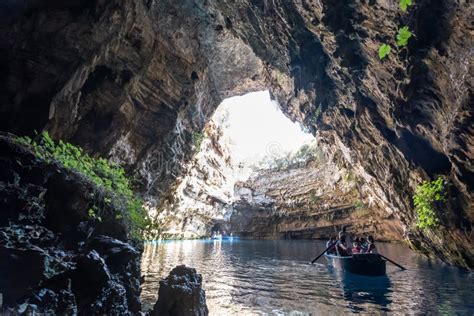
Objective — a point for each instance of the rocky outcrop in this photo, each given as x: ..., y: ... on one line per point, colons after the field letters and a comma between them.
x: 312, y: 200
x: 181, y: 294
x: 205, y: 194
x: 55, y: 258
x: 135, y: 79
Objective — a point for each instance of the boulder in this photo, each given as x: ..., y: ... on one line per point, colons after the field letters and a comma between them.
x: 55, y: 259
x: 181, y: 294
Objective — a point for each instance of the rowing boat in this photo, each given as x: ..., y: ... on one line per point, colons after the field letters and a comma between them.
x: 370, y: 264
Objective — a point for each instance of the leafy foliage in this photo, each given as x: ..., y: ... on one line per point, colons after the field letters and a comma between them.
x: 428, y: 196
x: 384, y: 51
x: 105, y: 175
x: 197, y: 140
x: 404, y: 4
x: 403, y: 36
x: 301, y: 157
x: 359, y: 204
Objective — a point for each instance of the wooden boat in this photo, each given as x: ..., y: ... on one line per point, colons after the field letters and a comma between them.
x: 370, y: 264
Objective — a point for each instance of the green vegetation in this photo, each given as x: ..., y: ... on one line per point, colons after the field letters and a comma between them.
x: 317, y: 113
x: 359, y: 204
x: 429, y: 196
x: 306, y: 153
x: 384, y: 51
x: 107, y: 176
x: 313, y: 197
x: 403, y: 36
x: 197, y: 140
x: 404, y: 4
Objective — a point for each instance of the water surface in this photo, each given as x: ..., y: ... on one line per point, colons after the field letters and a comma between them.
x: 274, y: 278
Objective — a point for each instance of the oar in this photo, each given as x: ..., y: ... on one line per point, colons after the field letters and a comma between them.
x: 323, y: 252
x: 401, y: 267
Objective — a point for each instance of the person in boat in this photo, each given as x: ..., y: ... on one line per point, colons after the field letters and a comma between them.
x: 347, y: 239
x: 356, y: 247
x: 341, y: 247
x: 332, y: 250
x: 371, y: 245
x: 363, y: 244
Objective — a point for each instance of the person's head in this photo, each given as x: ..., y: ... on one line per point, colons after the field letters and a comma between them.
x: 370, y: 239
x: 331, y: 238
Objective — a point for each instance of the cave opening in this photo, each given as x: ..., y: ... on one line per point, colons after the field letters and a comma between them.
x: 256, y: 133
x: 257, y: 174
x: 247, y: 136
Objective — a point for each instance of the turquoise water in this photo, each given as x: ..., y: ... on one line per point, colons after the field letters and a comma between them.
x: 274, y: 278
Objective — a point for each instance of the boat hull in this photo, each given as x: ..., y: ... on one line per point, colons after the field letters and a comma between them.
x: 363, y: 264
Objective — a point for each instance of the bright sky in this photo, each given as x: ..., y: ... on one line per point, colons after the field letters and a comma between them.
x: 258, y: 128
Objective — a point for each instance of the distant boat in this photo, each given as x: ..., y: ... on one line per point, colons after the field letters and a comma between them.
x: 221, y: 237
x: 230, y: 237
x: 216, y: 237
x: 369, y: 264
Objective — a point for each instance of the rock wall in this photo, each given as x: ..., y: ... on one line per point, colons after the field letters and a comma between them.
x: 205, y: 194
x: 135, y: 79
x: 308, y: 201
x: 56, y: 259
x: 181, y: 293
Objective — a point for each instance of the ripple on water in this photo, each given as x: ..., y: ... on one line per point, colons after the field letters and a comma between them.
x: 274, y: 277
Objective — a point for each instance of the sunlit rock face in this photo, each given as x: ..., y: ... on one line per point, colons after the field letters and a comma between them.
x: 313, y: 200
x: 133, y: 80
x: 205, y: 195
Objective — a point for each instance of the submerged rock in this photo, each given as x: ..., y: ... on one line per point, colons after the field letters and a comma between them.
x: 181, y: 294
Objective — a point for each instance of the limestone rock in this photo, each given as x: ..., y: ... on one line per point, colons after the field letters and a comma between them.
x: 181, y: 294
x: 55, y: 258
x: 308, y: 201
x: 134, y: 79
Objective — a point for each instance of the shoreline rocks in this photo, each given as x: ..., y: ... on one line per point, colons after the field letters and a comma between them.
x: 181, y: 294
x: 55, y: 259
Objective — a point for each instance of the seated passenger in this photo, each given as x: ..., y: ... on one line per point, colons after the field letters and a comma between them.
x: 332, y: 250
x: 363, y: 244
x: 356, y: 247
x: 370, y: 245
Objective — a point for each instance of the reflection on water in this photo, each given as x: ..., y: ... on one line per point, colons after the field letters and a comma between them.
x: 274, y: 277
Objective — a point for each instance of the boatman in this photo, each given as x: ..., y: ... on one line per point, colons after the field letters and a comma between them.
x: 331, y: 241
x: 348, y: 239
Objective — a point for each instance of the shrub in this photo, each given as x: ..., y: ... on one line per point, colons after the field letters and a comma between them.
x: 197, y: 140
x: 359, y: 204
x: 105, y: 175
x: 428, y: 197
x: 403, y: 36
x: 288, y: 160
x: 404, y: 4
x: 384, y: 51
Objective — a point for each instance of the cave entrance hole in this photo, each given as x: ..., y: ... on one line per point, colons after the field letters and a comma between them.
x: 246, y: 136
x: 256, y: 133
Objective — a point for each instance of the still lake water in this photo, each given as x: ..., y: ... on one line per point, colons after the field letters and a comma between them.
x: 249, y: 277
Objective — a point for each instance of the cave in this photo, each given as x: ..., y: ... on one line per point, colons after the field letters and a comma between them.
x: 109, y: 147
x: 247, y: 141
